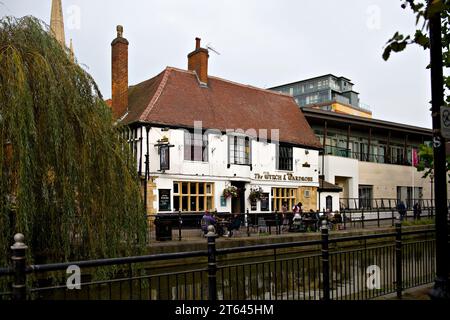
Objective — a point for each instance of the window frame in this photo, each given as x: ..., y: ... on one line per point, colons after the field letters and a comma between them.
x: 286, y: 149
x: 235, y: 147
x: 190, y: 145
x: 207, y: 197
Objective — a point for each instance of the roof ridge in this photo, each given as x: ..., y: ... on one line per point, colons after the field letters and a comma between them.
x: 157, y: 94
x: 235, y: 83
x: 252, y: 87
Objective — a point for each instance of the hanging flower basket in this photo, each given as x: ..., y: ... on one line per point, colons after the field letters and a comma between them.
x: 255, y: 194
x: 230, y: 191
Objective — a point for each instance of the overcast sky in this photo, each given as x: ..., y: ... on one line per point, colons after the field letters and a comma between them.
x: 261, y: 43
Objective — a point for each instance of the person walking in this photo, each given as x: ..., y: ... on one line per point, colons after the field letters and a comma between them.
x: 401, y: 208
x: 207, y: 220
x: 417, y: 211
x: 284, y: 217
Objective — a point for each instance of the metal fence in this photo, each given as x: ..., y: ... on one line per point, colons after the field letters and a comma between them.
x: 272, y: 222
x: 328, y: 268
x: 384, y: 203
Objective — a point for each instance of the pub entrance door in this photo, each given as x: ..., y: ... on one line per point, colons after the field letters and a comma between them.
x: 238, y: 204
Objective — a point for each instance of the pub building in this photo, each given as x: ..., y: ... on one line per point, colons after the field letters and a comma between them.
x: 194, y: 135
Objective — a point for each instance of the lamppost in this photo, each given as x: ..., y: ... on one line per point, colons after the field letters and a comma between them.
x: 441, y: 288
x: 431, y: 190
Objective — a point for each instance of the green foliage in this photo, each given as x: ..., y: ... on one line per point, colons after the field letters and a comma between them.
x: 230, y: 191
x: 255, y: 194
x: 399, y: 42
x: 426, y: 157
x: 419, y: 222
x: 63, y: 169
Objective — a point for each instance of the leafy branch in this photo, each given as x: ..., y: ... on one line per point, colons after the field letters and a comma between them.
x: 422, y: 11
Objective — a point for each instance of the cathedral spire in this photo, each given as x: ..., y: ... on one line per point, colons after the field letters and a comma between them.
x: 72, y: 54
x: 57, y: 22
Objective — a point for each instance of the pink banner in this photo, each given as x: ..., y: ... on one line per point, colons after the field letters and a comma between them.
x: 415, y: 157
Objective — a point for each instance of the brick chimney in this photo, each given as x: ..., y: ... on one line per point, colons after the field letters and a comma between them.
x: 119, y: 74
x: 198, y: 61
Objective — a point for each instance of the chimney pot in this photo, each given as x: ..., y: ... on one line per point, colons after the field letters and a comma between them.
x: 198, y: 62
x: 119, y: 29
x: 197, y: 43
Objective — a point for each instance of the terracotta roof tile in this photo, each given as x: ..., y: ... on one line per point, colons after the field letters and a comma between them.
x: 175, y: 98
x: 327, y: 186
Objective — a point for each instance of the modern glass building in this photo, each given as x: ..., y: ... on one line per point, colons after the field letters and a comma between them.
x: 327, y: 92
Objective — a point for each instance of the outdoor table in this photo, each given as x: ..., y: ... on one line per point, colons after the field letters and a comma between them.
x: 309, y: 222
x: 222, y: 226
x: 270, y: 223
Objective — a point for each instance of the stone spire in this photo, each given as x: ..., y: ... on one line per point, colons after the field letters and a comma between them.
x: 72, y: 54
x: 57, y: 22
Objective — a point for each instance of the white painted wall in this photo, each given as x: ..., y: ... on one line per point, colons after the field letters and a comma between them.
x: 215, y: 170
x: 323, y: 198
x: 342, y: 167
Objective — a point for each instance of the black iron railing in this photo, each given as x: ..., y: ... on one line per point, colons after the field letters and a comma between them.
x: 326, y: 268
x: 384, y: 203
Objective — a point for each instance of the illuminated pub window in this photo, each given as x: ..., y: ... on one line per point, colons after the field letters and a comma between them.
x: 280, y: 195
x: 193, y: 196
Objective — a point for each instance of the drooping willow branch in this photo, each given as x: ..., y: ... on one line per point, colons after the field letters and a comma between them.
x: 63, y: 171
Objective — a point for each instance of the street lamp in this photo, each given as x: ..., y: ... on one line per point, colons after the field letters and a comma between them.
x: 431, y: 190
x: 441, y: 288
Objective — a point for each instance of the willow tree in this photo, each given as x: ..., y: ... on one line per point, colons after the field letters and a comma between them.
x: 67, y: 182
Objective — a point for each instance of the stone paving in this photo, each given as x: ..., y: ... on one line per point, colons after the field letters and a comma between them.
x: 417, y: 293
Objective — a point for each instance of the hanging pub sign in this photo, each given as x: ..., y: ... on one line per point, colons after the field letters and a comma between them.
x: 164, y: 155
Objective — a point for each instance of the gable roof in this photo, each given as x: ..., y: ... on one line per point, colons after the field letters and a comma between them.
x: 327, y: 186
x: 175, y: 98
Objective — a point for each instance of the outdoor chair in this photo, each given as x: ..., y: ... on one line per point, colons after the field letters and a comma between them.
x: 262, y: 226
x: 204, y: 226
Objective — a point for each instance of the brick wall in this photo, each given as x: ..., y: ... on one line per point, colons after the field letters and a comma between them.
x: 119, y: 75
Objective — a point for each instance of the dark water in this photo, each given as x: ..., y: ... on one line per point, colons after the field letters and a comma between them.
x: 295, y: 276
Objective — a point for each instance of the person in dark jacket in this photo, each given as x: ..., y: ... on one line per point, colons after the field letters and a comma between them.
x: 417, y: 211
x: 207, y: 220
x: 401, y: 208
x: 235, y: 224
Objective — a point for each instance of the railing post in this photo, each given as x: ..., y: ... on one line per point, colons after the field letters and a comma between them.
x: 398, y: 258
x: 19, y: 290
x: 212, y: 267
x: 325, y: 262
x: 277, y: 223
x: 345, y: 218
x: 180, y: 223
x: 247, y: 224
x: 362, y: 217
x: 378, y: 217
x: 393, y: 217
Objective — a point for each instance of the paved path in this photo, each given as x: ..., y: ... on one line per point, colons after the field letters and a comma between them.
x: 417, y: 293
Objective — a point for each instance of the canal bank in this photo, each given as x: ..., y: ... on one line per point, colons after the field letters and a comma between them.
x: 200, y: 244
x: 300, y: 266
x: 418, y: 293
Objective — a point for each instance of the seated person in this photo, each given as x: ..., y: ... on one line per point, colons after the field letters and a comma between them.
x: 207, y: 220
x: 297, y: 219
x: 235, y: 224
x: 337, y: 217
x: 296, y: 222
